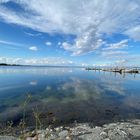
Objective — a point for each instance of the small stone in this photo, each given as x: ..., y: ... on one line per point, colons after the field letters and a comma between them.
x: 107, y: 139
x: 53, y: 137
x: 63, y: 134
x: 41, y: 136
x: 57, y: 129
x: 35, y: 138
x: 124, y: 132
x: 103, y: 134
x: 96, y: 127
x: 39, y: 131
x: 33, y: 132
x: 79, y: 132
x: 61, y: 127
x: 29, y: 138
x: 67, y: 138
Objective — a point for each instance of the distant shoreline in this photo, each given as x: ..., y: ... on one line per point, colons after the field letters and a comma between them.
x: 66, y: 66
x: 4, y: 64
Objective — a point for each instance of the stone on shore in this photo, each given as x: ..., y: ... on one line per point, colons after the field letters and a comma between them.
x: 113, y: 131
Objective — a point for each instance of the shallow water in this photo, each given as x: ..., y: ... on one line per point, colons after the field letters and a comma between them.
x: 66, y: 95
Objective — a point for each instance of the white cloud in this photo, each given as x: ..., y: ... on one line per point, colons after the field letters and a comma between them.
x: 37, y: 61
x: 4, y: 1
x: 33, y: 35
x: 113, y: 53
x: 59, y: 43
x: 115, y: 50
x: 134, y: 32
x: 115, y: 46
x: 88, y: 20
x: 33, y: 48
x: 83, y: 46
x: 48, y: 43
x: 11, y: 60
x: 11, y: 43
x: 121, y: 62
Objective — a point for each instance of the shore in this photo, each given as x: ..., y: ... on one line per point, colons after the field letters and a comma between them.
x: 129, y: 130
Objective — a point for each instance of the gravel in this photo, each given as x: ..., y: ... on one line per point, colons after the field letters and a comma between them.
x: 114, y: 131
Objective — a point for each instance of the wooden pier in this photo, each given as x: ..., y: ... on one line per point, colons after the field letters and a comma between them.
x: 118, y: 70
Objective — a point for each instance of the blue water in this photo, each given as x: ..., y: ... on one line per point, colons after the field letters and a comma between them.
x: 66, y: 95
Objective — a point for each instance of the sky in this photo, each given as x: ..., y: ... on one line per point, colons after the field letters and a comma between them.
x: 75, y: 32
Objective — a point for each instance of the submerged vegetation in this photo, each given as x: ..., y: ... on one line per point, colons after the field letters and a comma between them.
x: 21, y: 128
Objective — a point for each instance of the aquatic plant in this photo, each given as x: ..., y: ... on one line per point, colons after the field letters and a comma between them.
x: 23, y: 120
x: 37, y: 114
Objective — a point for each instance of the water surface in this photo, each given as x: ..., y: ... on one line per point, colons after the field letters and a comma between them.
x: 66, y: 95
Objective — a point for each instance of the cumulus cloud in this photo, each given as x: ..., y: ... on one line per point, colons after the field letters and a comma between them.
x: 33, y: 48
x: 59, y: 43
x: 48, y: 43
x: 89, y: 21
x: 83, y: 45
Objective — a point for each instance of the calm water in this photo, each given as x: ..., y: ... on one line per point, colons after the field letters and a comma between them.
x: 66, y: 95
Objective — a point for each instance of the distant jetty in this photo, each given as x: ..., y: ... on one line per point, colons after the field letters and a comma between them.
x: 119, y: 70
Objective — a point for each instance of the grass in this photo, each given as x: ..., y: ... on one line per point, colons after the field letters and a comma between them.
x: 19, y: 129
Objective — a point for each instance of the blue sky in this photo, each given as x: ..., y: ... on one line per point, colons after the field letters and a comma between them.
x: 76, y: 32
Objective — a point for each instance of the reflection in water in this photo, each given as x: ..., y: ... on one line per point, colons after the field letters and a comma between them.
x: 35, y: 70
x: 114, y: 86
x: 33, y: 83
x: 68, y: 95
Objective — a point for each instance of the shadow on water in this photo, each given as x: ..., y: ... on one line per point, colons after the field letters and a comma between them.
x: 64, y: 96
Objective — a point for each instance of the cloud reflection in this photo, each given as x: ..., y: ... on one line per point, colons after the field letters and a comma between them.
x: 33, y: 83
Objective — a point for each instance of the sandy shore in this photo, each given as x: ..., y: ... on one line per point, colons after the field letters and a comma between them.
x: 129, y: 130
